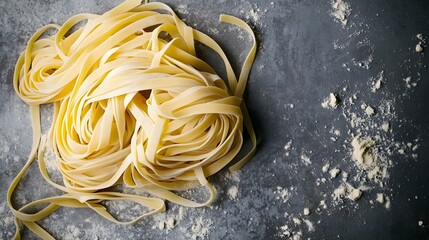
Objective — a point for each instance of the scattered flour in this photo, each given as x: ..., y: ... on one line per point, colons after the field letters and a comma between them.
x: 201, y: 228
x: 288, y: 147
x: 8, y: 221
x: 233, y: 192
x: 305, y: 159
x: 383, y: 199
x: 325, y: 168
x: 387, y: 205
x: 297, y: 236
x: 306, y: 211
x: 334, y: 172
x: 331, y: 102
x: 377, y: 82
x: 323, y: 205
x: 297, y: 221
x: 161, y: 225
x: 182, y: 213
x: 320, y: 180
x: 369, y: 111
x: 182, y: 9
x: 385, y: 126
x: 341, y: 11
x: 354, y: 194
x: 419, y: 47
x: 346, y: 190
x: 285, y: 231
x: 365, y: 63
x: 282, y: 193
x: 171, y: 222
x: 309, y: 224
x: 371, y: 136
x: 295, y: 232
x: 345, y: 176
x: 409, y: 83
x: 51, y: 163
x: 233, y: 176
x: 72, y: 232
x: 5, y: 221
x: 362, y: 152
x: 368, y: 158
x: 380, y: 198
x: 168, y: 224
x: 255, y: 15
x: 339, y: 192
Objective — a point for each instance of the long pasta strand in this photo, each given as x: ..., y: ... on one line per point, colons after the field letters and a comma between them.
x: 133, y: 105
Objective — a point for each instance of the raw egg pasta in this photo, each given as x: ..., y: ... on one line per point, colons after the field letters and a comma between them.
x: 133, y: 105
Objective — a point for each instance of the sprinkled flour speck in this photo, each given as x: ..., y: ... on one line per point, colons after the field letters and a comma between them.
x: 282, y: 193
x: 377, y: 82
x: 285, y: 231
x: 340, y: 11
x: 200, y: 228
x: 419, y: 47
x: 325, y: 168
x: 309, y: 224
x: 233, y: 192
x: 233, y: 176
x: 288, y: 147
x: 305, y: 159
x: 369, y: 111
x: 331, y: 101
x: 334, y: 172
x: 306, y: 211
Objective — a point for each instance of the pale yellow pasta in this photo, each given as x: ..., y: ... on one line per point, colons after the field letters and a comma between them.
x: 133, y: 105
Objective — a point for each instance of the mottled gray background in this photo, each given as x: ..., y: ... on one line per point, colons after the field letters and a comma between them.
x: 296, y: 64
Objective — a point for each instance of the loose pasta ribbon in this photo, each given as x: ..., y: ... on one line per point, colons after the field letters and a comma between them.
x: 133, y: 104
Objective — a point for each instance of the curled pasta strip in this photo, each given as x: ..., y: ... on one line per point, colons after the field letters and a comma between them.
x: 133, y: 105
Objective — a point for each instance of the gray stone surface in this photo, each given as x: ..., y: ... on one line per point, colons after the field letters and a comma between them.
x: 297, y: 63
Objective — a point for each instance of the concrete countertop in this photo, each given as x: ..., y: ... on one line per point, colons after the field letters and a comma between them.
x: 304, y: 55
